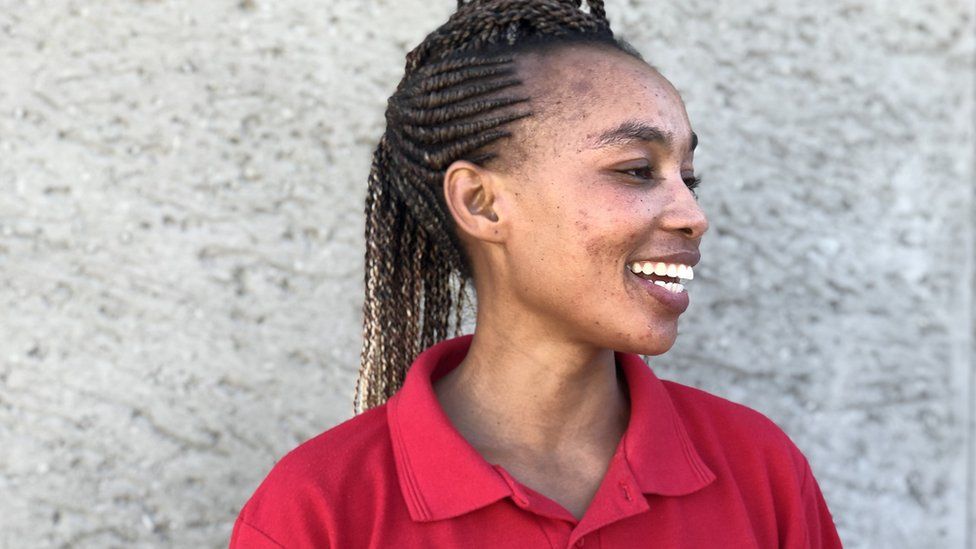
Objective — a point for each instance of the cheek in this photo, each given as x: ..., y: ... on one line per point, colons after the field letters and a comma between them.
x: 613, y: 236
x: 606, y: 255
x: 594, y: 224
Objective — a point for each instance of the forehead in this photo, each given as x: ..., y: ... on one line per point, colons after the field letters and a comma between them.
x: 577, y: 92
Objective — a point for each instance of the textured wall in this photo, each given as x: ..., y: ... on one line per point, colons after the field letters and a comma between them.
x: 180, y: 246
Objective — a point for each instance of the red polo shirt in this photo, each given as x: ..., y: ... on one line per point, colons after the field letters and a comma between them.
x: 692, y: 470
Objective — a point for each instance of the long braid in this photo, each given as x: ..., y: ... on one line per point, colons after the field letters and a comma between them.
x: 451, y: 104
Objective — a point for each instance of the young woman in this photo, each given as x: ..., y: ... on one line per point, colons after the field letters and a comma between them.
x: 531, y: 153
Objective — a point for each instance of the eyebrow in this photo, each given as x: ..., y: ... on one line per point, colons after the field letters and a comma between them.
x: 634, y: 130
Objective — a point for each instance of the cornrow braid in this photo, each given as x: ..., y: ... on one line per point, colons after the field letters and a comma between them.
x: 477, y: 24
x: 454, y: 102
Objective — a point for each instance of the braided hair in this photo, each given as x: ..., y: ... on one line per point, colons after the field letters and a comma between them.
x: 453, y: 103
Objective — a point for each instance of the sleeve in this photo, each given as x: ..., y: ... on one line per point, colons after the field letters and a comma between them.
x: 820, y: 528
x: 246, y: 536
x: 253, y: 531
x: 288, y: 510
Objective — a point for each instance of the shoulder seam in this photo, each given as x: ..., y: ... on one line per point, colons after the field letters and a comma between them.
x: 262, y: 533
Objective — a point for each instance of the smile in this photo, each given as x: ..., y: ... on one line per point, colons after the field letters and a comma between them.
x: 669, y: 276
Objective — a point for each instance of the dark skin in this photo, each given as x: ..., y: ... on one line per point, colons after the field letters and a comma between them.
x: 550, y: 237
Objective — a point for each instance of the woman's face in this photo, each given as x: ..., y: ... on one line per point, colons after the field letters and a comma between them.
x: 601, y: 183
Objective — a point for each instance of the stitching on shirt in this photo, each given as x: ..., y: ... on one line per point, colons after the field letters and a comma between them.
x: 686, y: 446
x: 630, y: 464
x: 413, y: 492
x: 262, y: 533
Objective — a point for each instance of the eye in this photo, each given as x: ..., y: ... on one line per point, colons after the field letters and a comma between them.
x: 641, y: 172
x: 647, y: 173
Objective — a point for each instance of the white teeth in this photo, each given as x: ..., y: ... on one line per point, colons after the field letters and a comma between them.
x: 676, y: 270
x: 673, y: 287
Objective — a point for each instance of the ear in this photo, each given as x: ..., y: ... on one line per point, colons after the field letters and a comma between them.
x: 472, y: 194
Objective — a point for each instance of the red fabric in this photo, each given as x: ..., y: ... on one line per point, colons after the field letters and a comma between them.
x: 692, y: 470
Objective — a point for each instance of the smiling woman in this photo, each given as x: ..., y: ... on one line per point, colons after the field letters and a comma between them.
x: 534, y: 155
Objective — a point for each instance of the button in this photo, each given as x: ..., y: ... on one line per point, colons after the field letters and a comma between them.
x: 625, y: 490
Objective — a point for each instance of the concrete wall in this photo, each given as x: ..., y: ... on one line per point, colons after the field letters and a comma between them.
x: 181, y: 187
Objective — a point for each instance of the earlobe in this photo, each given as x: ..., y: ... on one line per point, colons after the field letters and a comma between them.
x: 470, y: 192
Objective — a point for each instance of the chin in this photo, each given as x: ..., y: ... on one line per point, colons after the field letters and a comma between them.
x: 654, y: 348
x: 655, y: 340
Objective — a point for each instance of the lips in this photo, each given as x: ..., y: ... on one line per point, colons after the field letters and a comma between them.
x: 662, y: 277
x: 674, y: 301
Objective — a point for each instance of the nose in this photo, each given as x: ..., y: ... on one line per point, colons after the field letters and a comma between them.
x: 683, y: 214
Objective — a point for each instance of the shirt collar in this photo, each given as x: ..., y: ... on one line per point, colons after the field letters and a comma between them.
x: 442, y: 476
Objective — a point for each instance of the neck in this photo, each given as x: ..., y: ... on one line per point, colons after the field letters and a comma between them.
x: 525, y: 391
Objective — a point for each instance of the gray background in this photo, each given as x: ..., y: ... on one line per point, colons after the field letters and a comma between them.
x: 181, y: 187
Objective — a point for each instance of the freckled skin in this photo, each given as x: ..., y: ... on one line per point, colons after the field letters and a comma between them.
x: 576, y: 222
